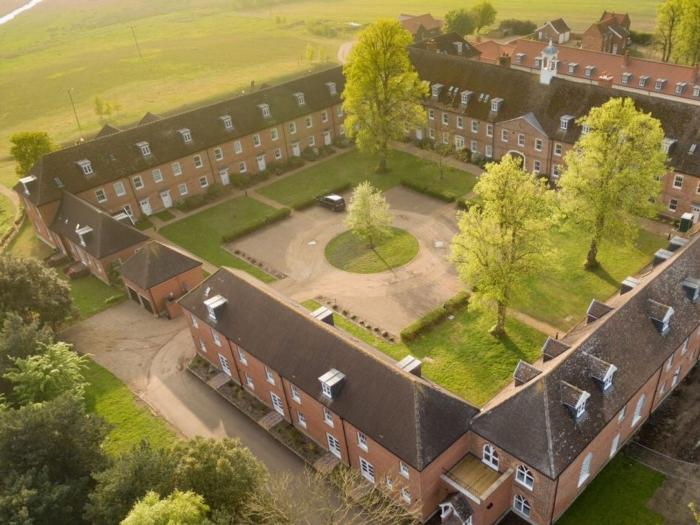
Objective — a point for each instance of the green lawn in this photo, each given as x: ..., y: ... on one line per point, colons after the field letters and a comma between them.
x: 459, y: 354
x: 7, y: 214
x: 201, y: 233
x: 617, y: 496
x: 91, y: 296
x: 562, y: 294
x: 26, y: 244
x: 354, y: 167
x: 131, y: 421
x: 351, y: 254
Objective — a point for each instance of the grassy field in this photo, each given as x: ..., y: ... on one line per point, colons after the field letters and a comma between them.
x: 91, y: 296
x: 354, y: 167
x: 131, y: 421
x: 201, y: 233
x: 618, y: 495
x: 7, y: 214
x: 351, y: 254
x: 26, y: 244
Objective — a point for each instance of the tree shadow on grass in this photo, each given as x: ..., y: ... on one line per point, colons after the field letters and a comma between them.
x: 511, y: 346
x: 600, y: 272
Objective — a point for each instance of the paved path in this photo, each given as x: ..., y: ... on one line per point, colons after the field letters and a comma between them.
x: 344, y: 51
x: 435, y: 157
x: 535, y: 323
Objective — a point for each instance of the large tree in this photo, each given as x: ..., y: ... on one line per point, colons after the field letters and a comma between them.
x: 460, y: 21
x: 504, y: 240
x: 21, y: 340
x: 368, y: 215
x: 687, y: 46
x: 180, y: 508
x: 382, y: 95
x: 612, y: 174
x: 483, y: 14
x: 28, y: 147
x: 32, y: 290
x: 668, y: 17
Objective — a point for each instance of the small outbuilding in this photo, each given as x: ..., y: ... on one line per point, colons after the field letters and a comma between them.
x: 157, y: 275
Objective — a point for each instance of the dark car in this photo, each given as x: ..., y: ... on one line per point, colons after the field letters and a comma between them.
x: 332, y: 202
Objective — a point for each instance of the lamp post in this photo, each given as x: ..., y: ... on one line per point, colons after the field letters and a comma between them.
x: 75, y: 112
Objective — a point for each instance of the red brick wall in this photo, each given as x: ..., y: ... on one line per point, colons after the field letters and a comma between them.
x: 177, y: 286
x: 519, y: 127
x: 682, y: 360
x: 40, y: 218
x: 202, y: 332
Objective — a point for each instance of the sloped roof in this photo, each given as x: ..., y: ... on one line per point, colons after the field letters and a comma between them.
x: 148, y: 118
x: 535, y: 426
x: 407, y: 415
x: 559, y: 25
x: 107, y: 129
x: 525, y: 372
x: 108, y: 235
x: 155, y: 263
x: 413, y: 23
x: 553, y: 348
x: 446, y: 44
x: 598, y: 309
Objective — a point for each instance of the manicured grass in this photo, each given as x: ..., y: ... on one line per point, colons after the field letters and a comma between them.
x: 351, y: 254
x: 131, y: 421
x: 354, y: 167
x: 91, y: 296
x: 26, y: 244
x: 165, y: 215
x: 561, y: 296
x: 459, y: 354
x: 618, y: 496
x: 7, y: 214
x: 143, y: 223
x: 201, y: 233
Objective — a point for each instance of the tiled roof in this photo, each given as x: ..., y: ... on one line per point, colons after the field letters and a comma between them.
x: 155, y: 263
x: 559, y: 25
x: 553, y: 348
x: 407, y: 415
x: 535, y: 426
x: 597, y: 309
x: 447, y: 44
x: 412, y: 23
x: 525, y: 372
x: 108, y: 235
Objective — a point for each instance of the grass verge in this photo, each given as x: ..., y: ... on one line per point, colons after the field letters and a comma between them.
x: 349, y: 253
x: 91, y: 296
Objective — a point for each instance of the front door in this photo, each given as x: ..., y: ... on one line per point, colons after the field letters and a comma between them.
x: 145, y: 206
x: 225, y: 180
x: 327, y: 138
x: 132, y: 294
x: 695, y: 210
x: 296, y: 150
x: 419, y: 133
x: 277, y: 403
x: 224, y: 365
x: 167, y: 199
x: 261, y: 163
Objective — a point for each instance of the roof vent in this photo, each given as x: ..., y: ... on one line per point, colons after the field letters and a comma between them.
x: 628, y: 284
x: 676, y: 243
x: 214, y: 306
x: 58, y: 182
x: 524, y: 372
x: 496, y: 104
x: 323, y: 314
x: 574, y: 399
x: 435, y: 90
x: 83, y: 233
x: 596, y: 310
x: 553, y: 348
x: 660, y: 256
x: 411, y: 365
x: 331, y: 383
x: 26, y: 181
x: 691, y: 286
x: 660, y: 315
x: 465, y: 96
x: 601, y: 371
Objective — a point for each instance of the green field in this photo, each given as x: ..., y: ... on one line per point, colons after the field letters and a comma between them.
x: 91, y: 296
x: 7, y: 214
x: 352, y: 254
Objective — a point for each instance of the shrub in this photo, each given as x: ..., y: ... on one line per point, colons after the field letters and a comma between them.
x: 310, y: 153
x: 321, y: 28
x: 443, y: 195
x: 463, y: 155
x: 513, y: 26
x: 435, y: 317
x: 641, y: 39
x: 294, y: 163
x: 341, y: 142
x: 277, y: 215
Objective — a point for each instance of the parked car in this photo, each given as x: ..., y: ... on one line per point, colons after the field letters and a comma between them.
x: 332, y: 202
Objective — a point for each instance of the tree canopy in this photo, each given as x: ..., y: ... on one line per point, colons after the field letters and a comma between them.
x: 612, y: 173
x: 180, y: 508
x: 677, y: 32
x: 20, y: 340
x: 383, y: 94
x: 368, y: 215
x: 483, y: 14
x: 28, y: 147
x: 668, y: 17
x: 460, y: 21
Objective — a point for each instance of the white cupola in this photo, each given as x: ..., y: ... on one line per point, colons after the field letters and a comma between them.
x: 549, y: 58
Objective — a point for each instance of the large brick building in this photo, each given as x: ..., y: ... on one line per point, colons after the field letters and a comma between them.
x: 610, y: 34
x: 532, y: 450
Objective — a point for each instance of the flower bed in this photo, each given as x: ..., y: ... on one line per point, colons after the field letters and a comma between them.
x: 298, y: 442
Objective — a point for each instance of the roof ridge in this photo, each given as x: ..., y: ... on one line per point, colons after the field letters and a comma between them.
x: 548, y: 432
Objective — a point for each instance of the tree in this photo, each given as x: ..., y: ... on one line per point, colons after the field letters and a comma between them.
x: 20, y: 340
x: 694, y: 511
x: 612, y: 173
x: 460, y: 21
x: 368, y: 216
x: 31, y: 289
x: 504, y: 241
x: 668, y: 15
x: 483, y: 14
x: 105, y: 109
x: 382, y: 95
x: 28, y: 147
x: 56, y: 370
x: 54, y: 445
x: 687, y: 46
x: 180, y: 508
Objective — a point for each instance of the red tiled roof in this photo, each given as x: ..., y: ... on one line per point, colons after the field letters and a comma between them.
x: 490, y: 50
x: 413, y: 23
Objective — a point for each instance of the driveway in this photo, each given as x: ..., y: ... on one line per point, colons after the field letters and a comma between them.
x: 391, y: 299
x: 150, y: 355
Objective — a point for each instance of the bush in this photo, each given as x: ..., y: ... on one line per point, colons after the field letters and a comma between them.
x: 466, y: 204
x: 310, y: 153
x: 342, y: 142
x: 443, y: 195
x: 641, y: 39
x: 294, y: 163
x: 435, y: 317
x: 277, y: 215
x: 479, y: 160
x: 513, y: 26
x: 464, y: 155
x: 321, y: 28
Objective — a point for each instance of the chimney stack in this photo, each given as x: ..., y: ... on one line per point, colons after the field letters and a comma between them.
x: 605, y: 80
x: 431, y: 45
x: 626, y: 58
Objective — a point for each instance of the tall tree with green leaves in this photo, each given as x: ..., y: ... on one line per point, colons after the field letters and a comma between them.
x: 483, y: 15
x: 21, y: 340
x: 460, y: 21
x: 369, y: 217
x: 504, y: 241
x: 612, y: 174
x: 383, y: 94
x: 28, y: 147
x: 668, y: 18
x: 179, y: 508
x: 687, y: 47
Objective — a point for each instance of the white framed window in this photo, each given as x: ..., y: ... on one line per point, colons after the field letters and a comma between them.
x: 403, y: 470
x: 333, y: 445
x: 176, y: 169
x: 145, y: 148
x: 186, y: 135
x: 326, y: 390
x: 459, y: 142
x: 237, y: 147
x: 195, y: 324
x: 203, y: 182
x: 182, y: 188
x: 274, y: 134
x: 489, y: 130
x: 643, y: 80
x: 228, y: 122
x: 696, y: 91
x: 202, y: 346
x: 296, y: 397
x: 215, y: 337
x: 431, y: 133
x: 538, y: 144
x: 445, y: 119
x: 431, y: 114
x: 585, y: 471
x: 474, y: 146
x: 242, y: 357
x: 536, y: 166
x: 242, y: 168
x: 218, y: 153
x: 662, y: 389
x: 673, y: 204
x: 249, y: 381
x: 301, y: 420
x: 521, y: 505
x: 504, y: 135
x: 119, y: 189
x: 86, y: 166
x: 269, y: 376
x: 312, y: 141
x: 389, y: 483
x: 676, y: 377
x: 521, y: 140
x: 292, y: 127
x: 198, y: 161
x: 265, y: 110
x: 684, y: 348
x: 659, y: 84
x: 557, y: 149
x: 614, y: 445
x: 669, y: 362
x: 138, y: 182
x: 277, y: 404
x: 324, y: 116
x: 638, y: 410
x: 278, y: 154
x: 626, y: 77
x: 157, y: 175
x: 678, y: 181
x: 445, y: 137
x: 327, y: 417
x: 460, y: 122
x: 488, y: 151
x: 524, y: 476
x: 622, y: 414
x: 339, y: 111
x: 475, y: 126
x: 367, y: 470
x: 100, y: 195
x: 256, y: 140
x: 362, y: 440
x: 309, y: 121
x: 300, y: 98
x: 405, y: 494
x: 490, y: 456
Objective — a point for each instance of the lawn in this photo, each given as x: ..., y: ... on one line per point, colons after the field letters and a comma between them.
x: 561, y: 295
x: 352, y: 254
x: 7, y: 214
x: 91, y: 296
x: 618, y: 496
x: 354, y: 167
x: 131, y: 421
x: 459, y: 354
x: 201, y: 233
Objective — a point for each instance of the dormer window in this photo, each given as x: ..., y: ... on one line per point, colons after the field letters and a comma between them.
x: 83, y: 233
x: 227, y: 120
x: 331, y: 383
x: 538, y: 62
x: 186, y: 135
x: 300, y: 98
x: 86, y: 166
x: 214, y: 306
x: 602, y: 372
x: 585, y: 129
x: 496, y: 104
x: 564, y: 121
x: 667, y: 144
x: 435, y: 90
x: 643, y: 81
x: 332, y: 89
x: 520, y: 58
x: 696, y: 91
x: 659, y: 84
x: 265, y: 110
x: 574, y: 399
x: 588, y: 73
x: 691, y: 287
x: 680, y: 87
x: 626, y: 77
x: 465, y: 95
x: 660, y: 315
x: 26, y: 181
x: 144, y: 147
x: 573, y: 66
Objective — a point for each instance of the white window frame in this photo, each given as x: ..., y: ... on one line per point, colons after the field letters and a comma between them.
x: 202, y: 346
x: 324, y: 116
x: 242, y: 357
x: 274, y: 134
x: 203, y: 182
x: 403, y: 470
x: 536, y: 166
x: 228, y: 121
x: 249, y: 381
x: 521, y: 140
x: 489, y: 130
x: 301, y: 420
x: 278, y: 154
x: 622, y: 414
x: 215, y: 337
x: 475, y: 126
x: 367, y: 470
x: 504, y: 135
x: 145, y: 148
x: 195, y: 324
x: 431, y: 114
x: 673, y: 204
x: 157, y: 175
x: 490, y: 456
x: 237, y: 147
x: 445, y: 119
x: 119, y: 188
x: 292, y: 128
x: 406, y: 495
x: 558, y: 149
x: 269, y: 376
x: 638, y: 410
x: 198, y: 163
x: 539, y: 143
x: 362, y: 441
x: 256, y: 140
x: 585, y: 471
x: 176, y: 168
x: 183, y: 189
x: 86, y: 166
x: 524, y: 477
x: 488, y: 151
x: 678, y: 181
x: 522, y: 506
x: 328, y: 417
x: 309, y: 121
x: 138, y: 182
x: 218, y: 153
x: 98, y: 192
x: 186, y: 135
x: 460, y: 122
x: 295, y: 394
x: 615, y: 445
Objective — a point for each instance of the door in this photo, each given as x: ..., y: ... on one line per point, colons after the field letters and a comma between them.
x: 132, y: 294
x: 225, y: 180
x: 166, y: 198
x: 333, y: 445
x: 277, y: 403
x: 146, y: 304
x: 419, y: 133
x: 695, y: 210
x: 224, y: 365
x: 296, y: 150
x: 261, y: 163
x: 145, y: 206
x: 327, y: 138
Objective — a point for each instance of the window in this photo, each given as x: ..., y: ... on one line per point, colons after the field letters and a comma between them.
x: 195, y: 324
x: 198, y: 161
x: 274, y: 134
x: 445, y: 119
x: 622, y: 414
x: 278, y: 154
x: 638, y: 410
x: 202, y: 346
x: 684, y: 348
x: 521, y: 505
x: 203, y: 182
x: 474, y: 146
x: 564, y: 122
x: 504, y: 135
x: 405, y: 494
x: 662, y: 390
x: 556, y: 171
x: 362, y: 440
x: 389, y: 483
x: 237, y: 147
x: 367, y: 470
x: 581, y: 407
x: 519, y: 58
x: 301, y: 420
x: 295, y: 394
x: 145, y: 148
x: 333, y: 445
x: 557, y: 149
x: 465, y: 97
x: 588, y: 72
x: 265, y: 110
x: 228, y: 122
x: 615, y: 443
x: 669, y: 363
x: 445, y: 137
x: 101, y: 195
x: 536, y: 166
x: 459, y: 142
x: 460, y: 122
x: 269, y: 376
x: 488, y: 151
x: 475, y: 126
x: 119, y: 189
x: 490, y: 456
x: 643, y: 81
x: 489, y: 130
x: 327, y: 417
x: 182, y: 188
x: 696, y: 91
x: 339, y: 111
x: 585, y: 471
x: 538, y: 144
x: 431, y: 114
x: 242, y: 168
x: 300, y: 98
x: 680, y: 87
x: 242, y: 357
x: 659, y: 84
x: 585, y: 129
x: 256, y: 140
x: 676, y: 377
x: 309, y: 121
x: 86, y: 166
x: 673, y: 204
x: 176, y: 168
x: 157, y: 175
x: 138, y: 182
x: 524, y: 477
x: 431, y: 133
x: 403, y: 470
x: 678, y: 181
x: 186, y: 135
x: 218, y: 153
x: 326, y: 390
x: 292, y: 127
x: 626, y: 78
x: 216, y: 338
x: 324, y: 116
x: 331, y: 88
x: 538, y: 62
x: 312, y: 141
x: 521, y: 140
x: 249, y: 381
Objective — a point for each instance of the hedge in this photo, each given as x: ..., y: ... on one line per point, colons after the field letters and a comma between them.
x: 435, y: 317
x: 312, y: 200
x: 277, y: 215
x: 446, y: 196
